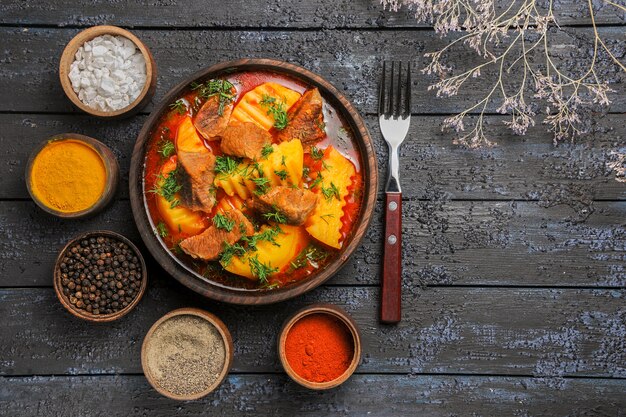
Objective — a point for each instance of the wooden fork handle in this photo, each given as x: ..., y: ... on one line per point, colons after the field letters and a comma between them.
x: 392, y: 260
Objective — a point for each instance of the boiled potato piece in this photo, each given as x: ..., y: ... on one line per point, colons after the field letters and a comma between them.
x: 290, y: 242
x: 250, y: 109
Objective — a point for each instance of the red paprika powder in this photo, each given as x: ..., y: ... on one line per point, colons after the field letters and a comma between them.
x: 319, y: 347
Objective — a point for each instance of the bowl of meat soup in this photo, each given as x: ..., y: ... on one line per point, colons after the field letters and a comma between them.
x: 253, y: 181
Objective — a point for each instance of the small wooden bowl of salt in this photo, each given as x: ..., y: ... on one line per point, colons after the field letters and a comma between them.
x: 187, y: 354
x: 107, y: 72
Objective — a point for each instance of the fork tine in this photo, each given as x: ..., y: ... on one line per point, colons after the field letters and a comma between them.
x: 399, y: 92
x: 407, y: 92
x: 390, y: 110
x: 381, y: 96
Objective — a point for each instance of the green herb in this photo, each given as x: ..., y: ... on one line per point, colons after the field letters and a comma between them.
x: 316, y: 181
x: 268, y: 235
x: 267, y: 150
x: 277, y: 110
x: 236, y: 249
x: 316, y: 153
x: 167, y: 187
x: 259, y: 269
x: 324, y: 216
x: 321, y: 124
x: 282, y: 161
x: 268, y: 286
x: 276, y: 216
x: 262, y: 185
x: 179, y: 105
x: 222, y: 222
x: 161, y: 229
x: 226, y: 165
x: 166, y: 148
x: 305, y: 172
x: 310, y: 255
x: 330, y: 192
x: 223, y: 89
x: 282, y: 174
x: 177, y: 249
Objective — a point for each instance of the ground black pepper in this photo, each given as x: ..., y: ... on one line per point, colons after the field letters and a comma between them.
x: 100, y: 275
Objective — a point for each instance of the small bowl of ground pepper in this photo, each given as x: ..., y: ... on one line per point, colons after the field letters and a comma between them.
x: 187, y: 354
x: 320, y: 347
x: 100, y: 276
x: 72, y: 176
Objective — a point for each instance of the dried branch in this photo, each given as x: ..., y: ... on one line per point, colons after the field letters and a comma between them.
x: 507, y: 40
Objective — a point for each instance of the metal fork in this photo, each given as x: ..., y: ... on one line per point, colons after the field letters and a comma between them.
x: 394, y: 118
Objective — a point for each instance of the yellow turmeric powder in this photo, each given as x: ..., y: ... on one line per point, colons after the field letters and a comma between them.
x: 68, y: 176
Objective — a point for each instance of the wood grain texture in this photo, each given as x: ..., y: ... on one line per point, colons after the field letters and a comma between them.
x: 350, y: 60
x: 547, y: 333
x: 362, y: 395
x: 528, y: 168
x: 265, y: 13
x: 445, y: 243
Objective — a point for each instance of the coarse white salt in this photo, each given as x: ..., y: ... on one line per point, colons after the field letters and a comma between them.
x: 108, y: 73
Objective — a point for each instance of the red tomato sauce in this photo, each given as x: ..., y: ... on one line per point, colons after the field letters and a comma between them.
x: 338, y: 135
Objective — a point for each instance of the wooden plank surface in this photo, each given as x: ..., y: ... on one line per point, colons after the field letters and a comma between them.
x: 351, y: 60
x: 445, y: 243
x: 362, y: 395
x: 243, y: 13
x: 540, y: 332
x: 528, y: 168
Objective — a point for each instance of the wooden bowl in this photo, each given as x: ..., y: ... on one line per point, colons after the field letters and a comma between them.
x: 101, y: 318
x: 228, y: 346
x: 110, y: 164
x: 221, y: 292
x: 93, y: 32
x: 334, y: 312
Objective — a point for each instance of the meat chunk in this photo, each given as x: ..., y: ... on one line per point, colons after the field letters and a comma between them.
x: 209, y: 244
x: 306, y: 120
x: 196, y: 177
x: 244, y: 139
x: 293, y: 203
x: 209, y: 122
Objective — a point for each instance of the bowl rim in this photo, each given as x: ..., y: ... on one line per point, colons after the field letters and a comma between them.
x: 110, y: 164
x: 228, y: 347
x: 104, y: 318
x: 67, y: 57
x: 331, y: 310
x: 232, y: 295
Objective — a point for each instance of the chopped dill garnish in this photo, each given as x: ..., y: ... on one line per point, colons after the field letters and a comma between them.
x: 260, y: 270
x: 167, y: 187
x: 277, y: 110
x: 267, y: 150
x: 310, y: 255
x: 161, y: 229
x: 316, y: 181
x: 316, y: 153
x: 331, y: 191
x: 262, y: 185
x: 282, y: 161
x: 222, y: 222
x: 329, y: 215
x: 223, y: 89
x: 166, y: 148
x: 179, y: 105
x: 226, y: 164
x: 275, y: 216
x: 268, y: 235
x: 282, y: 174
x: 236, y: 249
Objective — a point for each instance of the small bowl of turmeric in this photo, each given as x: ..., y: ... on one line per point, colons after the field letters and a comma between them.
x: 71, y: 175
x: 320, y: 347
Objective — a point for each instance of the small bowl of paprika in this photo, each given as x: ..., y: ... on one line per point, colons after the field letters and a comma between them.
x: 320, y: 347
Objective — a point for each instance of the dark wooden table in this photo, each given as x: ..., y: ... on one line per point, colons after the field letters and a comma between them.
x: 514, y: 256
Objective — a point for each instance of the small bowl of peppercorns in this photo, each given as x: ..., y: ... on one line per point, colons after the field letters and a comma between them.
x: 100, y: 276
